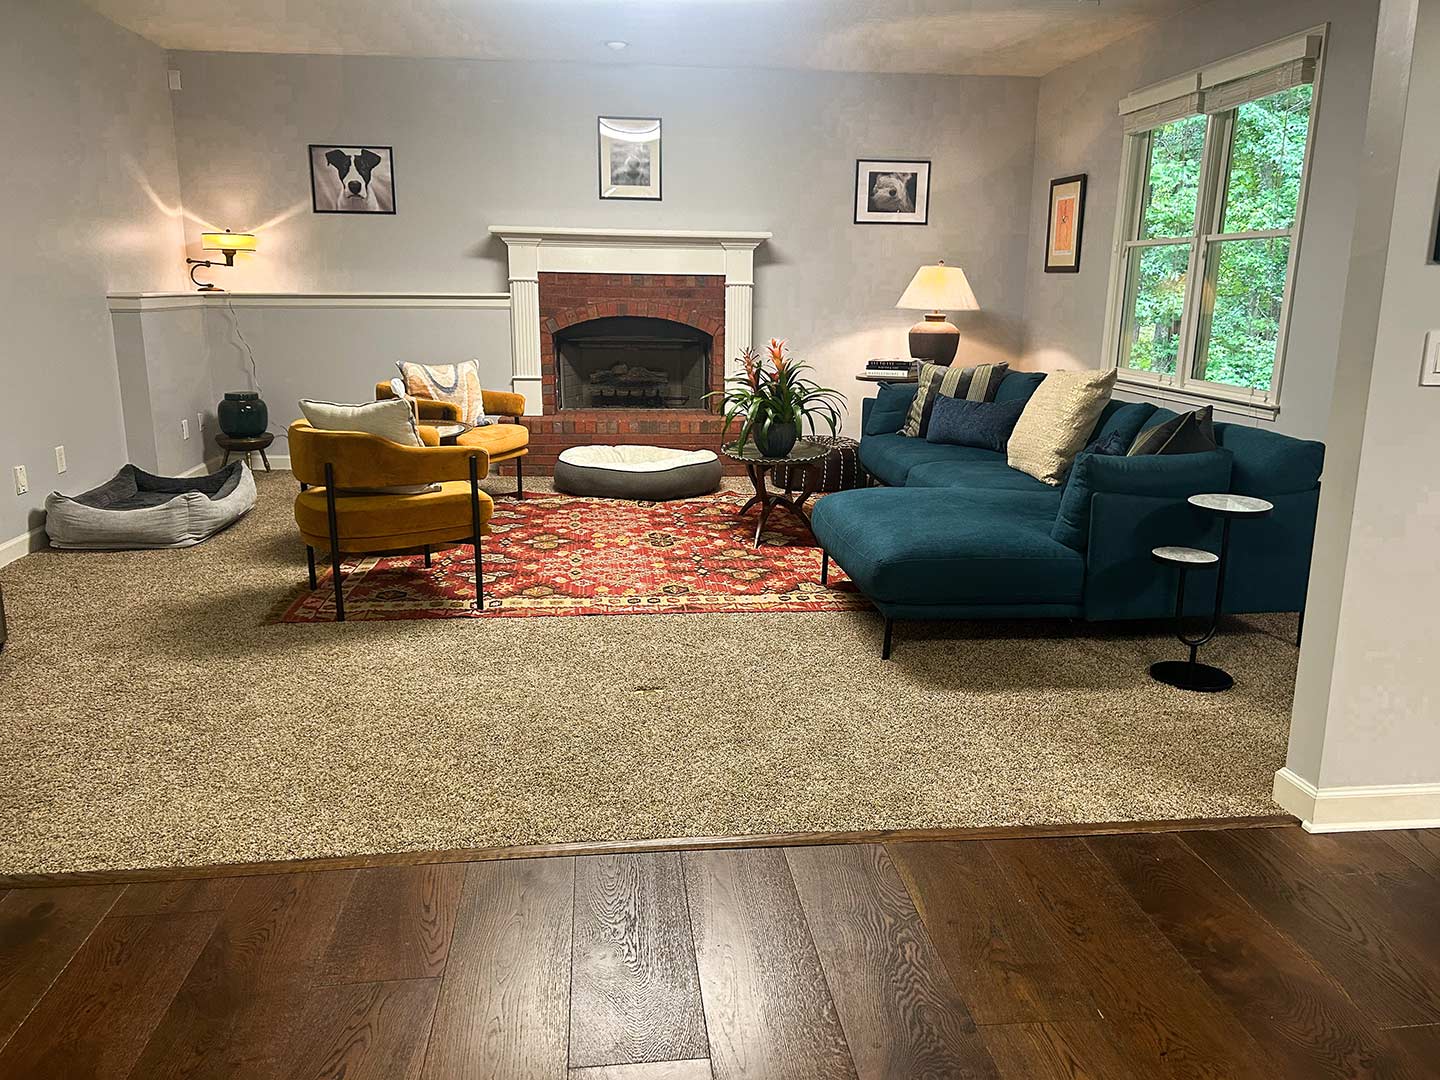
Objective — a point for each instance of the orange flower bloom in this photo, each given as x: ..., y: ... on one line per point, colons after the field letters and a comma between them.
x: 751, y: 359
x: 777, y: 355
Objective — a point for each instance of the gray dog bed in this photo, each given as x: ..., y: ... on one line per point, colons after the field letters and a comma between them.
x: 637, y: 472
x: 138, y: 510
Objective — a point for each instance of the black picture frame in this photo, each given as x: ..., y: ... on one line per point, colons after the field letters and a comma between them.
x: 1082, y: 179
x: 870, y: 165
x: 314, y: 189
x: 602, y: 169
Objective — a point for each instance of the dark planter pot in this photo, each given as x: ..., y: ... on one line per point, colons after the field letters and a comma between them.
x: 243, y: 415
x: 776, y: 440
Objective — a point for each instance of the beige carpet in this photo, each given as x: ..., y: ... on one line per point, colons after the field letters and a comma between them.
x: 149, y: 717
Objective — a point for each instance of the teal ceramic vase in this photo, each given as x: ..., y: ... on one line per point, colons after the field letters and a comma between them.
x: 243, y: 415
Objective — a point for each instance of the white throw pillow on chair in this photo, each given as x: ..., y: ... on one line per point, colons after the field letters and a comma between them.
x: 389, y: 418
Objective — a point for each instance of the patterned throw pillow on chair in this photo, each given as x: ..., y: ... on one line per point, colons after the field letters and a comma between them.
x: 458, y: 384
x: 977, y: 383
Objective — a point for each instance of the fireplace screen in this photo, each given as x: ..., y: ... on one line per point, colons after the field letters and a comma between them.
x: 630, y: 362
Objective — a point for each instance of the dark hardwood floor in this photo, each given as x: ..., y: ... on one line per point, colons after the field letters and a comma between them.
x: 1219, y: 953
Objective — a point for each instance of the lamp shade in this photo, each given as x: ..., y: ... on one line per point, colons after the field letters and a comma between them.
x: 227, y: 241
x: 939, y: 288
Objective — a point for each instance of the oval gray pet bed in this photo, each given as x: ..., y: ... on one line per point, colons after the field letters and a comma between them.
x: 637, y: 472
x: 138, y: 510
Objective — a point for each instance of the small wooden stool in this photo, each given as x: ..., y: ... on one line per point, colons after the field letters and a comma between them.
x: 247, y: 445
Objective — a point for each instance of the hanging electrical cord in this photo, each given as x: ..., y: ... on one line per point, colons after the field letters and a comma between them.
x: 235, y: 320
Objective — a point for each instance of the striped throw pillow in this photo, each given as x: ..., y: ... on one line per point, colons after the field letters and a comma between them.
x: 977, y: 383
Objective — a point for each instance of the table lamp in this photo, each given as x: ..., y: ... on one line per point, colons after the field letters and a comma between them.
x: 935, y: 290
x: 227, y: 242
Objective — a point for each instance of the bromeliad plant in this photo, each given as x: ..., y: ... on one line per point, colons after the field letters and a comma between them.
x: 774, y: 400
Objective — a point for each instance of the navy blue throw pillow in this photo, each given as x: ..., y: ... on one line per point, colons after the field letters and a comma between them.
x: 1113, y: 445
x: 983, y: 424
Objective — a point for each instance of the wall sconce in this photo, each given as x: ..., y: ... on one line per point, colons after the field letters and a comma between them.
x: 227, y: 242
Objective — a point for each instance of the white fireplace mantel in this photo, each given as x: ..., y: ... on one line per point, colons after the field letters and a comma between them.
x: 535, y: 250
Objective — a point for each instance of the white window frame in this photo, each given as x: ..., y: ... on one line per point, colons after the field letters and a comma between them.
x: 1205, y: 232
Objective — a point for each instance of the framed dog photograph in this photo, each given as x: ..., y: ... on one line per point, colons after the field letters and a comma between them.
x: 629, y: 157
x: 1067, y: 218
x: 892, y: 192
x: 354, y: 179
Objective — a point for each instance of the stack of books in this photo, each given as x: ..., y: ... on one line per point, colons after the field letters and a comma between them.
x: 900, y: 367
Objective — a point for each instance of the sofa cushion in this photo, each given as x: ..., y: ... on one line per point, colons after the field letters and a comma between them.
x: 988, y: 473
x: 982, y: 424
x: 1018, y: 385
x: 1123, y: 418
x: 885, y: 413
x: 1165, y: 475
x: 938, y: 547
x: 1057, y: 422
x: 889, y: 458
x: 1268, y: 463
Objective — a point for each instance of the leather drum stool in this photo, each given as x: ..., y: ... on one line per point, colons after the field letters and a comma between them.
x: 839, y: 470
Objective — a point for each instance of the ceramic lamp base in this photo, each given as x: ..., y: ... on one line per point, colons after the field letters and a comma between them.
x: 934, y: 340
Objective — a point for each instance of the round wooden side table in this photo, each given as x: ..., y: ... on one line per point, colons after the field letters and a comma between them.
x: 247, y: 445
x: 757, y: 465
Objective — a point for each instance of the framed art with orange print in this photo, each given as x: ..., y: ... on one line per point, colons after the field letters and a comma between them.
x: 1067, y: 219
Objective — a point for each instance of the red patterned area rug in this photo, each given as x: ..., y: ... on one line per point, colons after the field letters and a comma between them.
x: 557, y: 555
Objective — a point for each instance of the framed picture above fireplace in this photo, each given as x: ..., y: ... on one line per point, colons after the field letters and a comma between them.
x: 629, y: 157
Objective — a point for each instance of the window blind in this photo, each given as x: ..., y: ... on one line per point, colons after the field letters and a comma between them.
x: 1158, y: 115
x: 1262, y: 84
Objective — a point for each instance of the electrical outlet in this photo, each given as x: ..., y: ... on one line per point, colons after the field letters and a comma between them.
x: 1430, y: 369
x: 60, y: 465
x: 184, y: 429
x: 200, y: 423
x: 22, y: 481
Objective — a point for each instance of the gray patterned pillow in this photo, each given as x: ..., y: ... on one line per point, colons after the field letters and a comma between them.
x: 977, y: 383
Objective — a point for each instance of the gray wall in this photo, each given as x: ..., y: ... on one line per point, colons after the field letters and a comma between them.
x: 1078, y: 131
x: 1367, y: 697
x: 165, y: 377
x: 480, y: 143
x: 91, y: 195
x: 339, y: 353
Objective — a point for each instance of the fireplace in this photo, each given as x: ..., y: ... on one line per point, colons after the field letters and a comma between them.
x: 632, y: 362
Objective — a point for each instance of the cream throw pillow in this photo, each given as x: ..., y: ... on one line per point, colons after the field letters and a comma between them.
x: 1056, y: 422
x: 389, y: 418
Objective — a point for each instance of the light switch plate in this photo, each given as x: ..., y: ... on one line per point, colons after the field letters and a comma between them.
x: 185, y: 428
x: 22, y: 481
x: 1430, y: 370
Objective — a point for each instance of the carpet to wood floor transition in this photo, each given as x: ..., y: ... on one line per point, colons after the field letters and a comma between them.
x: 152, y: 717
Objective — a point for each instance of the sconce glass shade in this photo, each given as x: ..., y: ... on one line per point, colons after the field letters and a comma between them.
x: 227, y: 241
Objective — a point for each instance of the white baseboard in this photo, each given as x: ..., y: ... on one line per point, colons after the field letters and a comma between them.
x: 22, y: 545
x: 1358, y: 809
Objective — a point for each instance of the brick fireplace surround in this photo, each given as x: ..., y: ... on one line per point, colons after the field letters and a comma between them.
x: 696, y: 300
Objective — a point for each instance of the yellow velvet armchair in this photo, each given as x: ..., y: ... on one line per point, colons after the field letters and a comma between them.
x: 337, y: 510
x: 505, y: 441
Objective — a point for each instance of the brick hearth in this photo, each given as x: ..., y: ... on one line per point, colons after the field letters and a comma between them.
x: 565, y: 299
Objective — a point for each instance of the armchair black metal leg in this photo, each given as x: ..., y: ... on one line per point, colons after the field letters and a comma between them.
x: 334, y: 542
x: 475, y: 533
x: 310, y: 560
x: 824, y: 567
x: 427, y: 555
x: 885, y: 648
x: 519, y: 478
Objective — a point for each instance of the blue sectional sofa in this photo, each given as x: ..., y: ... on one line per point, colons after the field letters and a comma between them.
x: 954, y: 533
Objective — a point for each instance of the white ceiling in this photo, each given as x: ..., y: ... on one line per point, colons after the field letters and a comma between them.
x: 957, y: 37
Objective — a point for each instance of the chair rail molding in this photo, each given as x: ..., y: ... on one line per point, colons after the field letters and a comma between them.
x: 166, y: 301
x: 534, y: 250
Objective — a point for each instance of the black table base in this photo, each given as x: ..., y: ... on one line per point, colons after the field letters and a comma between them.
x: 1190, y: 675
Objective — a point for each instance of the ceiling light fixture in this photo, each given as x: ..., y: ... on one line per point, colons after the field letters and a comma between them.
x: 617, y: 45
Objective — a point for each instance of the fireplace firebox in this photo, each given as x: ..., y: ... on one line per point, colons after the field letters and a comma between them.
x: 632, y: 362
